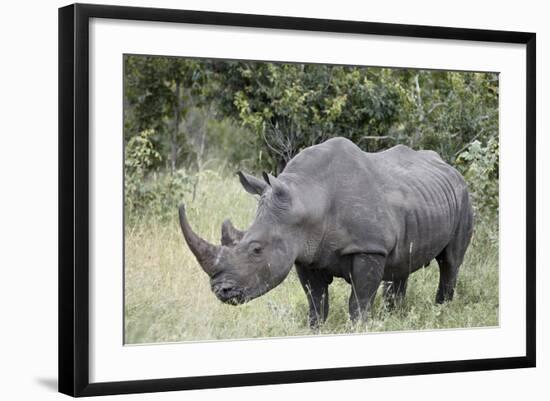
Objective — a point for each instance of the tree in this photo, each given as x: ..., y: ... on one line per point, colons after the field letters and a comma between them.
x: 445, y: 111
x: 292, y: 106
x: 159, y: 91
x: 189, y: 112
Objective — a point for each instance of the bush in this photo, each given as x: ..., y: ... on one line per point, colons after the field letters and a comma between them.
x: 480, y: 166
x: 140, y: 155
x: 162, y: 193
x: 146, y: 192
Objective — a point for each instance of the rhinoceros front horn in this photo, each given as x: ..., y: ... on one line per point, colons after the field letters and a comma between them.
x: 205, y: 252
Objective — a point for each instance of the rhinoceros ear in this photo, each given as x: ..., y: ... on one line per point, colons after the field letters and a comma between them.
x: 266, y: 177
x: 251, y: 184
x: 280, y: 190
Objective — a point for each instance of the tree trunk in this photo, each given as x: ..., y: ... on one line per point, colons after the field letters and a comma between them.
x: 175, y: 131
x: 200, y: 152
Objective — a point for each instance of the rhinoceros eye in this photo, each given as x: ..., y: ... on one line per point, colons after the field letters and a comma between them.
x: 255, y: 248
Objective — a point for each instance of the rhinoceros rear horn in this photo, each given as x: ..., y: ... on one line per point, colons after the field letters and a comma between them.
x: 205, y: 252
x: 230, y: 235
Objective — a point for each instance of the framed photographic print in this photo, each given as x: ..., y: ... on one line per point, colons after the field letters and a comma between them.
x: 250, y: 199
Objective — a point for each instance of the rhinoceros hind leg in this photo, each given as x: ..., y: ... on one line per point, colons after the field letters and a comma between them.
x: 448, y: 272
x: 451, y: 258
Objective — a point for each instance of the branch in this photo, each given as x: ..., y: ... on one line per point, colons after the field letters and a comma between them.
x: 379, y: 137
x: 418, y: 91
x: 462, y: 149
x: 435, y: 106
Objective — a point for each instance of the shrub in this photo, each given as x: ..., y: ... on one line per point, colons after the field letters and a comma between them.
x: 480, y: 166
x: 140, y: 155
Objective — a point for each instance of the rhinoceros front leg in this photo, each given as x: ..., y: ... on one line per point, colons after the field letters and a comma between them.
x: 365, y: 277
x: 394, y: 291
x: 315, y: 284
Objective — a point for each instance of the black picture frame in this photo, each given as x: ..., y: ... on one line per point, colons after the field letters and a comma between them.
x: 74, y: 198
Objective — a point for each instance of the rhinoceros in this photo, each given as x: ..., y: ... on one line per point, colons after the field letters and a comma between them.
x: 337, y: 211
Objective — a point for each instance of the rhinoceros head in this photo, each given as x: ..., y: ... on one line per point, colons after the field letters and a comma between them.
x: 249, y: 263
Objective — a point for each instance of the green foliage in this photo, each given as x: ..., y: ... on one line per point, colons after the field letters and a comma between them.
x: 149, y: 193
x: 232, y: 145
x: 161, y: 194
x: 139, y: 156
x: 292, y: 106
x: 445, y: 111
x: 158, y: 94
x: 480, y: 166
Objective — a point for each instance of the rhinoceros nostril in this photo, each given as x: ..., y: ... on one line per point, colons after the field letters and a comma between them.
x: 223, y: 288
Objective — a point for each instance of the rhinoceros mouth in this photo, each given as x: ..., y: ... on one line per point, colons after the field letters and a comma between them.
x: 229, y: 293
x: 235, y: 300
x: 232, y: 298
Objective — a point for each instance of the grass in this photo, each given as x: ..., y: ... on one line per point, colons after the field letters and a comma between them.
x: 168, y: 296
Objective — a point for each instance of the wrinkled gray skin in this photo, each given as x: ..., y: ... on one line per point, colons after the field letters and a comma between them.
x: 336, y: 211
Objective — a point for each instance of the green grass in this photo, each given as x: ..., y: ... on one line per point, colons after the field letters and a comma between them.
x: 168, y: 296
